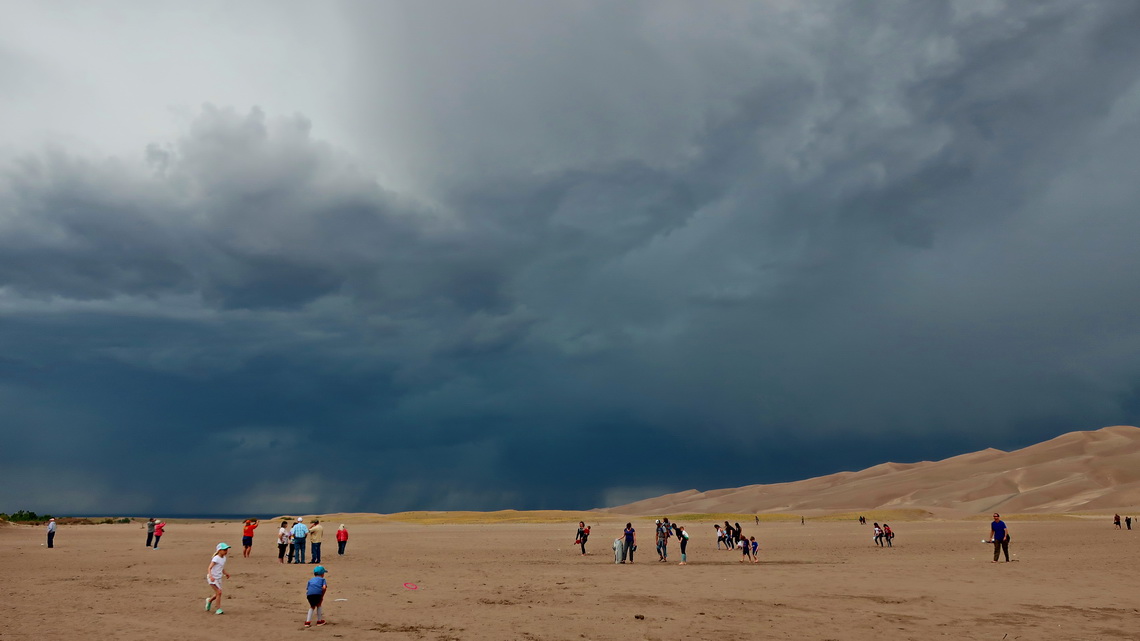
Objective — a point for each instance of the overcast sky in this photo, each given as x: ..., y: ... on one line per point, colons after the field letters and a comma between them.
x: 320, y: 256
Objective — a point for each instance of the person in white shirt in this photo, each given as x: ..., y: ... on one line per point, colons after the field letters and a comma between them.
x: 214, y: 574
x: 51, y: 533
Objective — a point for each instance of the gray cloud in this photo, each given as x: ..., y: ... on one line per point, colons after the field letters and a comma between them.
x: 628, y: 238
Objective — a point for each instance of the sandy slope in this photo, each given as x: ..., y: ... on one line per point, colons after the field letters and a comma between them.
x: 1079, y: 471
x: 523, y: 581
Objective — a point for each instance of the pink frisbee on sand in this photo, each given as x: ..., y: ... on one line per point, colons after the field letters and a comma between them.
x: 411, y: 586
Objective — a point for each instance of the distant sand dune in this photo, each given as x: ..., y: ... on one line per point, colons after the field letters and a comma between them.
x: 1075, y: 472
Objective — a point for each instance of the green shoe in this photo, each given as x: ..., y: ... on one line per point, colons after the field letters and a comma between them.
x: 219, y: 612
x: 208, y: 603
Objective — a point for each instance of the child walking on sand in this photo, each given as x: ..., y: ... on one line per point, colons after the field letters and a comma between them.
x: 315, y: 593
x: 214, y: 574
x: 755, y: 549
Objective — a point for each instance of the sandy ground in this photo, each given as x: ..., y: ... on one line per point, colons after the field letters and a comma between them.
x: 1069, y: 580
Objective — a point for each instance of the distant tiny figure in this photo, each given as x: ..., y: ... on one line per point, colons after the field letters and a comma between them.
x: 878, y: 535
x: 1116, y: 521
x: 247, y: 536
x: 315, y: 591
x: 683, y: 537
x: 316, y: 536
x: 51, y: 533
x: 755, y: 549
x: 214, y: 573
x: 801, y: 520
x: 283, y: 539
x: 999, y: 536
x: 757, y: 519
x: 159, y: 530
x: 888, y: 535
x: 862, y: 520
x: 583, y: 534
x: 1128, y: 522
x: 150, y: 532
x: 629, y: 545
x: 341, y: 539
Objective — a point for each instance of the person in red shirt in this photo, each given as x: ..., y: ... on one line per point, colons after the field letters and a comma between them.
x: 247, y: 536
x: 341, y: 539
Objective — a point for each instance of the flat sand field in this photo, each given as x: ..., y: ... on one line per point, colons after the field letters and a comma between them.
x: 823, y: 580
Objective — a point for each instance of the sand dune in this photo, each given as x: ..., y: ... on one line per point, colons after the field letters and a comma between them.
x: 1080, y: 471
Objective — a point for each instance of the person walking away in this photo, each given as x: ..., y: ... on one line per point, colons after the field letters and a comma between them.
x: 316, y: 536
x: 888, y: 535
x: 1116, y: 521
x: 300, y: 533
x: 341, y: 539
x: 283, y: 537
x: 1128, y: 522
x: 315, y: 591
x: 999, y: 536
x: 214, y: 573
x: 683, y: 537
x: 582, y: 535
x: 159, y: 530
x: 51, y: 533
x: 878, y: 535
x: 150, y: 532
x: 247, y: 536
x: 630, y: 544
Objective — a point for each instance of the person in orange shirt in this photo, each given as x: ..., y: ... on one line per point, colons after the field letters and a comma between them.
x: 247, y: 536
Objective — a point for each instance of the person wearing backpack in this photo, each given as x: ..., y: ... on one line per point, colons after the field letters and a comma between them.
x: 888, y: 534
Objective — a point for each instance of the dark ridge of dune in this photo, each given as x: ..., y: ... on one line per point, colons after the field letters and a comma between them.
x: 1079, y: 471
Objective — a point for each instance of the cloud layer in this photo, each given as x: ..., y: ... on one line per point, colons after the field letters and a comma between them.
x: 584, y: 254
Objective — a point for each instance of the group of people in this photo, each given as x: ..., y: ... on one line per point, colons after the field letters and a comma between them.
x: 883, y: 535
x: 315, y: 588
x: 1127, y: 521
x: 626, y: 544
x: 291, y: 539
x: 155, y: 528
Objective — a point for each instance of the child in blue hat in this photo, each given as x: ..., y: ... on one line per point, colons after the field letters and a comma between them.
x: 315, y: 592
x: 214, y: 574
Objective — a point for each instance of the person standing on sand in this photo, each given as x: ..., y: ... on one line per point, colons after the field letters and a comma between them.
x: 583, y: 534
x: 999, y: 536
x: 1116, y: 521
x: 300, y: 533
x: 1128, y: 522
x: 629, y: 546
x: 214, y: 573
x: 159, y: 530
x: 150, y: 532
x: 341, y: 539
x: 878, y: 535
x: 683, y: 537
x: 51, y: 533
x: 283, y: 537
x: 316, y: 535
x: 247, y: 536
x: 888, y: 535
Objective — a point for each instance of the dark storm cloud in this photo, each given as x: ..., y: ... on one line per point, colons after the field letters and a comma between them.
x: 653, y: 250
